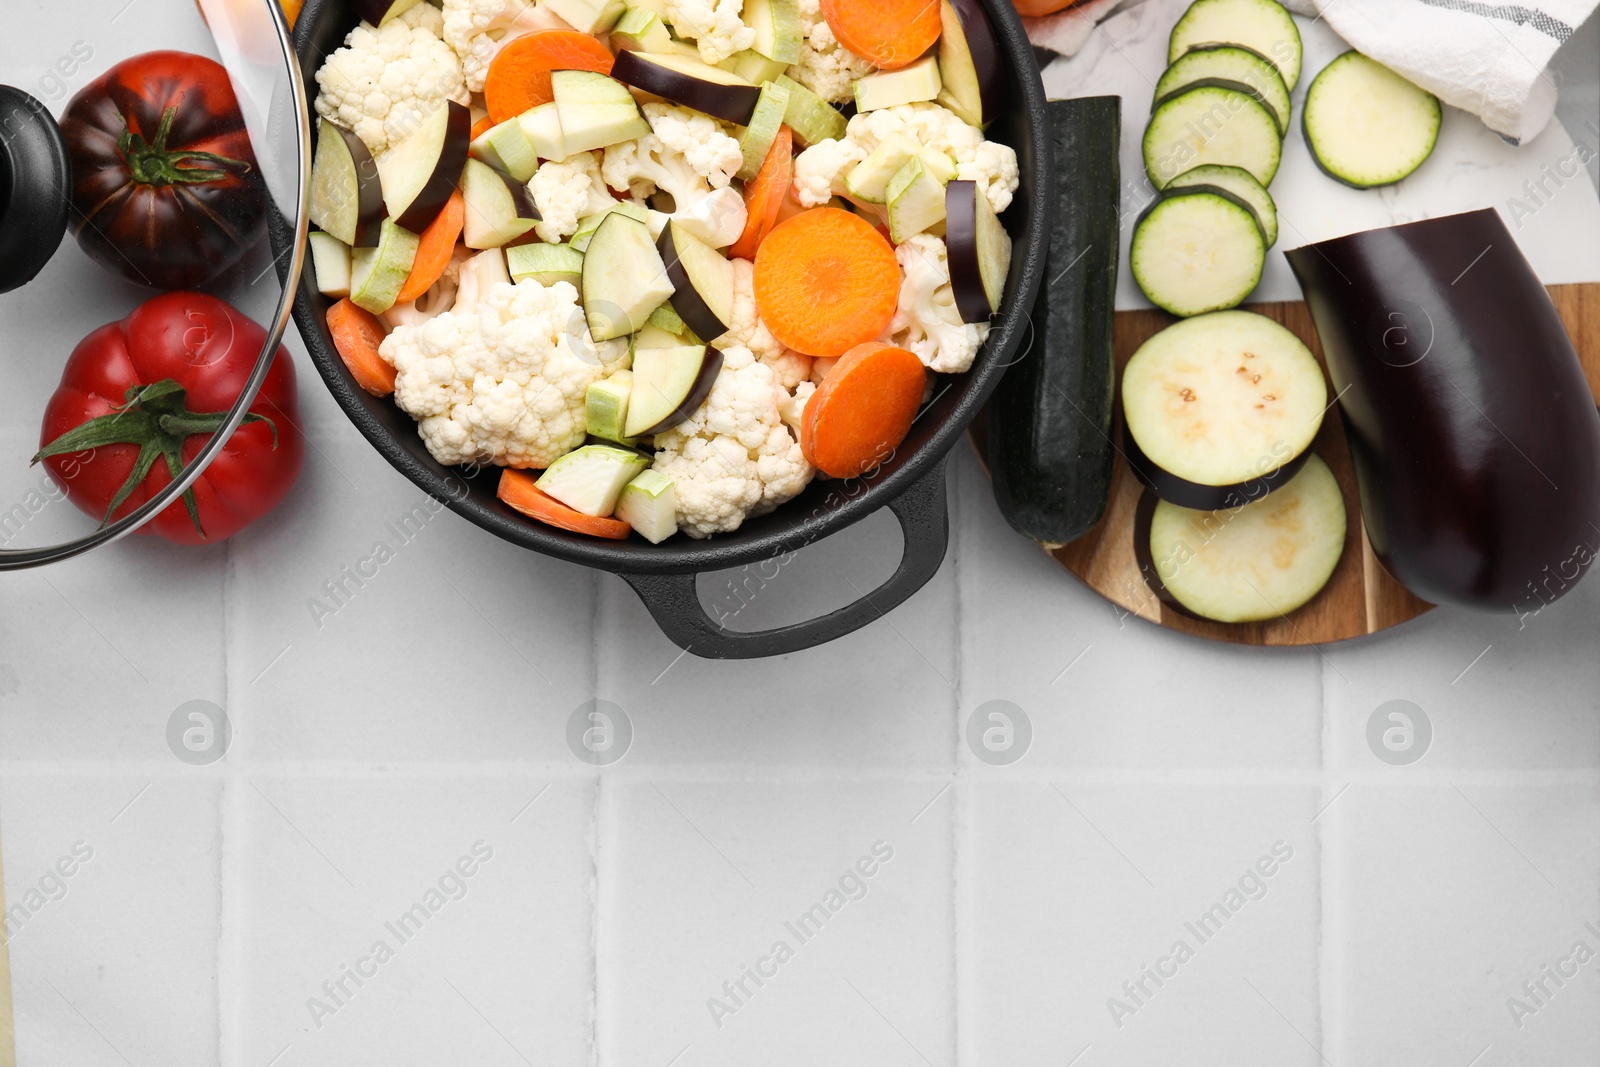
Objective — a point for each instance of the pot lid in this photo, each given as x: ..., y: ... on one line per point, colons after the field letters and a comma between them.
x: 145, y: 149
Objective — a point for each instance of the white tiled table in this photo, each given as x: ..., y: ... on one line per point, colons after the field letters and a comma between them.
x: 424, y: 726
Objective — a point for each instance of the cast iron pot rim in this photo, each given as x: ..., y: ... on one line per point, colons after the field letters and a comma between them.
x: 683, y: 555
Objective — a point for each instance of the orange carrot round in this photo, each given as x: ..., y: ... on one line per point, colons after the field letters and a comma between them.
x: 517, y: 489
x: 437, y: 244
x: 826, y: 281
x: 481, y: 127
x: 765, y: 194
x: 357, y: 333
x: 862, y: 410
x: 519, y: 75
x: 889, y: 34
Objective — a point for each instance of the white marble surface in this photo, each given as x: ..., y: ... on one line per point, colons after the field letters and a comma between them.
x: 430, y: 714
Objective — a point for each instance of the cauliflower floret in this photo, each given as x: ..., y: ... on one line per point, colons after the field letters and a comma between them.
x: 927, y: 322
x: 699, y: 139
x: 819, y: 171
x: 714, y: 26
x: 476, y: 29
x: 502, y: 380
x: 717, y: 218
x: 991, y: 164
x: 735, y: 456
x: 748, y: 331
x: 383, y: 82
x: 440, y: 297
x: 825, y: 66
x: 994, y: 167
x: 715, y: 483
x: 565, y: 192
x: 794, y: 406
x: 689, y: 156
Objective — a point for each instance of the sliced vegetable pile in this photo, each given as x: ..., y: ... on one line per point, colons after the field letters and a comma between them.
x: 1240, y: 521
x: 640, y: 249
x: 1215, y: 140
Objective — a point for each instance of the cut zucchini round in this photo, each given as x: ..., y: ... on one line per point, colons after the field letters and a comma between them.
x: 1365, y: 125
x: 1209, y: 64
x: 1212, y: 124
x: 755, y: 140
x: 1197, y: 249
x: 908, y: 85
x: 1260, y: 25
x: 589, y: 479
x: 1219, y: 408
x: 1242, y: 184
x: 1258, y: 561
x: 811, y: 118
x: 649, y: 504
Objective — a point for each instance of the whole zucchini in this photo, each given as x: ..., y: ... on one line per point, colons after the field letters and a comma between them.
x: 1050, y: 444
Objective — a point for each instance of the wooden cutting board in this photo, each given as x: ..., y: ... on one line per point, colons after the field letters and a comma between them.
x: 1361, y: 598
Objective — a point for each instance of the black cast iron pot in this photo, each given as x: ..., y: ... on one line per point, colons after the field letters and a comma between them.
x: 911, y: 484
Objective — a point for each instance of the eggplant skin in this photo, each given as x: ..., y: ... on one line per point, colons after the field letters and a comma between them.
x: 1475, y: 437
x: 1050, y: 444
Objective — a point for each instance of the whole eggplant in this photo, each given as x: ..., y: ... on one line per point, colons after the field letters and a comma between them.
x: 1474, y: 433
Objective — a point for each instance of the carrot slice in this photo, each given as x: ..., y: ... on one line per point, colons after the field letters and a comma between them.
x: 826, y: 281
x: 357, y: 333
x: 519, y: 75
x: 889, y: 34
x: 481, y: 127
x: 862, y: 410
x: 517, y: 489
x: 765, y: 194
x: 437, y: 244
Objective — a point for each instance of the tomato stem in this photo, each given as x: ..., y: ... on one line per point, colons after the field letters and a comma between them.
x: 157, y: 418
x: 151, y: 163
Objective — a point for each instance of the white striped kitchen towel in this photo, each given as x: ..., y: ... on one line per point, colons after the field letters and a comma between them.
x: 1488, y: 58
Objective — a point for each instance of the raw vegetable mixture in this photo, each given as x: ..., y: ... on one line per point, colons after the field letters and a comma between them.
x: 642, y: 249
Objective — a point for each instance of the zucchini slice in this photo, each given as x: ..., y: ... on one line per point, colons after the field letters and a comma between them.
x: 1258, y: 561
x: 1365, y: 125
x: 1050, y: 443
x: 1242, y: 184
x: 1221, y: 409
x: 1260, y: 25
x: 1230, y: 125
x: 1197, y: 249
x: 1212, y: 63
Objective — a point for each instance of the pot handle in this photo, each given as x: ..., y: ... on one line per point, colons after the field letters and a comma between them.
x: 33, y: 217
x: 924, y: 517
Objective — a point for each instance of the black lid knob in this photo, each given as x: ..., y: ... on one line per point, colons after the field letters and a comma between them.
x: 35, y: 179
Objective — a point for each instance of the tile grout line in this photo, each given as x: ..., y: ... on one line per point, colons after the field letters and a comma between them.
x: 8, y: 1027
x: 958, y: 854
x: 1325, y: 975
x: 229, y: 820
x: 596, y: 833
x: 596, y: 829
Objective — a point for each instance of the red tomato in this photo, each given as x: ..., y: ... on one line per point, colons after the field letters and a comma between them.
x: 164, y: 181
x: 149, y: 391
